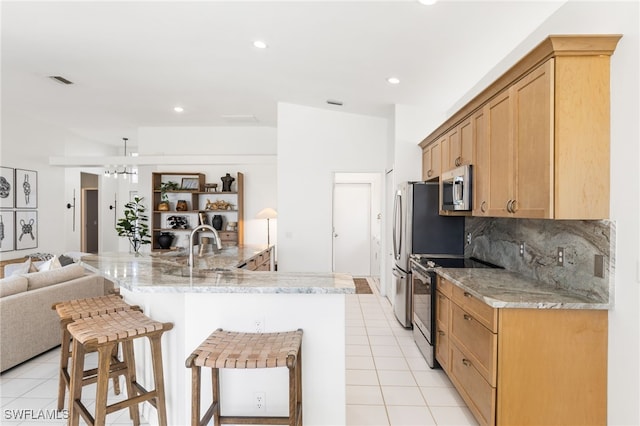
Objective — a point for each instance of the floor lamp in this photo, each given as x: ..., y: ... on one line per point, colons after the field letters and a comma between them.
x: 267, y: 213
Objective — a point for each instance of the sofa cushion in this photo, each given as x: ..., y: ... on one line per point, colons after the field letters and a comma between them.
x: 54, y: 276
x: 65, y: 260
x: 13, y: 285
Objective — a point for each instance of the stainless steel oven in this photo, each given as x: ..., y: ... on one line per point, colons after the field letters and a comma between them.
x: 423, y: 283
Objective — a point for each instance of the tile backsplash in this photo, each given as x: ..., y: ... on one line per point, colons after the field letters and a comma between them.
x: 498, y: 240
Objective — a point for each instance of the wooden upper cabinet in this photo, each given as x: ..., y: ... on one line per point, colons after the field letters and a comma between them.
x: 518, y: 151
x: 431, y: 161
x: 539, y: 134
x: 457, y: 146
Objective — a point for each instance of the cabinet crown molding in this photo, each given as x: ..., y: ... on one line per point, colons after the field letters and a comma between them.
x: 552, y: 46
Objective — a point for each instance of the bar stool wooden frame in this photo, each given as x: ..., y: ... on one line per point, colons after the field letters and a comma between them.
x: 71, y: 310
x: 225, y: 349
x: 103, y: 333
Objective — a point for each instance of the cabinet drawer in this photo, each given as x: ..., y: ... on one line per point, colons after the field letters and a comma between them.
x: 442, y: 345
x: 444, y: 286
x: 477, y: 342
x: 227, y: 236
x: 476, y: 391
x: 480, y: 310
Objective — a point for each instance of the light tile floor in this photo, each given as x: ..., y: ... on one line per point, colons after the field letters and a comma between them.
x: 388, y: 381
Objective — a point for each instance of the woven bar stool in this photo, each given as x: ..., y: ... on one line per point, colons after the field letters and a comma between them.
x: 82, y: 308
x: 102, y: 333
x: 226, y: 349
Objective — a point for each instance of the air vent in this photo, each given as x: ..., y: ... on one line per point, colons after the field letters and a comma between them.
x: 60, y: 79
x: 334, y: 102
x: 239, y: 118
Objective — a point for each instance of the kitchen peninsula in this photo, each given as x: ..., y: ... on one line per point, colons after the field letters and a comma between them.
x: 217, y: 294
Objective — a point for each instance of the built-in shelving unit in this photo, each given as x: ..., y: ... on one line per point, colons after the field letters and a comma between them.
x: 198, y: 208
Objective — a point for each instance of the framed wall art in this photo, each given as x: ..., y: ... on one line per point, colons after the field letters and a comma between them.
x: 7, y: 188
x: 7, y: 231
x: 190, y: 183
x: 26, y: 233
x: 26, y: 189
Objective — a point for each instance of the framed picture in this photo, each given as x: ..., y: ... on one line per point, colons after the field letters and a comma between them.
x: 26, y: 229
x: 26, y: 189
x: 190, y: 183
x: 7, y: 231
x: 7, y: 188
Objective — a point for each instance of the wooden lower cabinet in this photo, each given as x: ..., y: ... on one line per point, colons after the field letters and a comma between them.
x: 537, y: 367
x: 259, y: 262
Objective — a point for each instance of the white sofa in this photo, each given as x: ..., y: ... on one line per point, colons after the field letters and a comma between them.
x: 28, y: 325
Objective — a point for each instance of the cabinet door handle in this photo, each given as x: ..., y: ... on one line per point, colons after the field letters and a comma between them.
x: 466, y: 362
x: 466, y: 294
x: 467, y: 317
x: 483, y: 207
x: 514, y: 206
x: 458, y: 161
x: 441, y: 333
x: 429, y: 173
x: 509, y: 203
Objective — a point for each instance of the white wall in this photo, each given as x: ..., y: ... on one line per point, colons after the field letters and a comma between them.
x: 313, y: 144
x: 27, y: 144
x: 624, y: 319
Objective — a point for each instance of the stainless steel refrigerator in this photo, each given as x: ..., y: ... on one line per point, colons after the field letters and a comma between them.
x: 419, y: 229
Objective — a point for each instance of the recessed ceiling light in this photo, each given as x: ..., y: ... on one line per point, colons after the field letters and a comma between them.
x: 427, y: 2
x: 260, y: 44
x: 393, y: 80
x: 178, y: 109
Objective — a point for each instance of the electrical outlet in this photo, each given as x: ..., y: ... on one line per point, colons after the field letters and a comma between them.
x: 259, y: 401
x: 521, y: 248
x: 259, y: 325
x: 560, y: 256
x: 468, y: 237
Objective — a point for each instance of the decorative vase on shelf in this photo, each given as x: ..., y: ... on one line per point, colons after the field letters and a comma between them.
x: 181, y: 205
x: 163, y: 206
x: 165, y: 239
x: 216, y: 222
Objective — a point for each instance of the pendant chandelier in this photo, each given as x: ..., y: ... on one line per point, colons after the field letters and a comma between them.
x: 124, y: 172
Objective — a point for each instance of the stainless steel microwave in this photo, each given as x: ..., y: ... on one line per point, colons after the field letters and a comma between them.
x: 455, y: 189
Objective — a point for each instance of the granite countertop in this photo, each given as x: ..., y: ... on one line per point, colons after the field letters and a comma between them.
x: 213, y: 273
x: 499, y: 288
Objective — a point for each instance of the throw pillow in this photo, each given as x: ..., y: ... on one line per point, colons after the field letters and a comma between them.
x: 65, y: 260
x: 18, y: 268
x: 50, y: 264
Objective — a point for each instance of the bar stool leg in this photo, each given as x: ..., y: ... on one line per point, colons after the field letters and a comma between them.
x: 215, y: 382
x: 75, y: 382
x: 130, y: 378
x: 158, y: 378
x: 63, y: 379
x: 102, y: 385
x: 195, y: 395
x: 299, y: 382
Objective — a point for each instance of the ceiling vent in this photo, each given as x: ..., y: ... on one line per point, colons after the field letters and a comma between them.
x: 60, y: 79
x: 239, y: 118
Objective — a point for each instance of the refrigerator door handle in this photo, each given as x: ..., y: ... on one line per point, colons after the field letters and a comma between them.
x: 397, y: 226
x: 398, y: 274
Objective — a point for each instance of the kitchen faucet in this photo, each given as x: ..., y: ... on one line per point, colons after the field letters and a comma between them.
x: 193, y: 233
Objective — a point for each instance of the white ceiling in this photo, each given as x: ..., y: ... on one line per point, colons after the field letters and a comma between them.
x: 132, y: 62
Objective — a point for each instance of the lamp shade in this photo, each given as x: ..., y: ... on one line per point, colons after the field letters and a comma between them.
x: 267, y: 213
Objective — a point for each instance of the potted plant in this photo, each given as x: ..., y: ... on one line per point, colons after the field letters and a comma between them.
x: 164, y: 198
x: 134, y: 224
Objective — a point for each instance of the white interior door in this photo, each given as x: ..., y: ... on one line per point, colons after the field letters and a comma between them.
x: 352, y: 228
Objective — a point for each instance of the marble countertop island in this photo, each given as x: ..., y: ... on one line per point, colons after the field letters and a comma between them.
x: 213, y: 273
x: 217, y: 294
x: 499, y: 288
